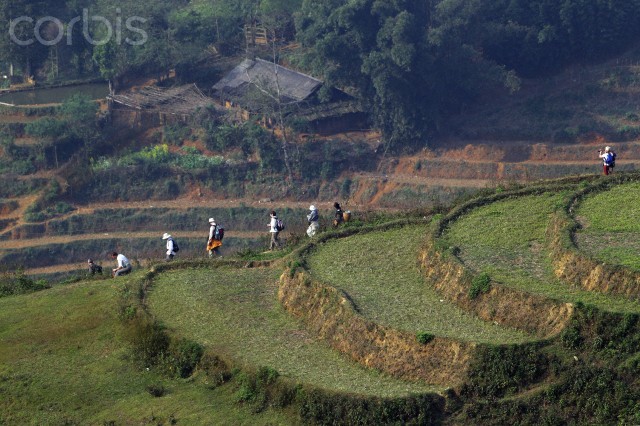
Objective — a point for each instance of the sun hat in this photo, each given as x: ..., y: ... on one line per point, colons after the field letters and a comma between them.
x: 212, y: 220
x: 166, y: 236
x: 312, y: 207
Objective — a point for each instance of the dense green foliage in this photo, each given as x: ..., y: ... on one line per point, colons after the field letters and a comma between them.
x: 12, y: 283
x: 411, y: 63
x: 141, y: 37
x: 414, y: 62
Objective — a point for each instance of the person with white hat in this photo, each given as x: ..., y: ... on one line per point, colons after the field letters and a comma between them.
x: 170, y: 247
x: 313, y: 218
x: 215, y: 238
x: 608, y: 160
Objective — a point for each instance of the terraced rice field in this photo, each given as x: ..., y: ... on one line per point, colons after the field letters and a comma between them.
x: 379, y: 272
x: 506, y: 240
x: 64, y: 360
x: 236, y: 313
x: 611, y: 225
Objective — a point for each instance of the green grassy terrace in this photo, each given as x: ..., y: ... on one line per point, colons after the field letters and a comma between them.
x: 380, y: 272
x: 235, y: 312
x: 64, y: 360
x: 611, y: 225
x: 506, y: 240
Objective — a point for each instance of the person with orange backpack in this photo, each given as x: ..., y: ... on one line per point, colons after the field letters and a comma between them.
x: 216, y: 234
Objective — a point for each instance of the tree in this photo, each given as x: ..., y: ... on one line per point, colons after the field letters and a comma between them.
x: 408, y: 70
x: 79, y: 114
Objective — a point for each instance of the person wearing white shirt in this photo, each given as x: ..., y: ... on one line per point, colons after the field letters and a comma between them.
x: 313, y: 219
x: 274, y: 231
x: 214, y: 242
x: 124, y: 266
x: 608, y: 160
x: 170, y: 252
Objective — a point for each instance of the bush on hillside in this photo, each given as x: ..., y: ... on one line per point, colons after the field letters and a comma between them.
x: 481, y: 284
x: 12, y: 283
x: 425, y: 338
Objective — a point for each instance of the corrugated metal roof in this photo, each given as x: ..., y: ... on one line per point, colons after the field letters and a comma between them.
x: 264, y: 74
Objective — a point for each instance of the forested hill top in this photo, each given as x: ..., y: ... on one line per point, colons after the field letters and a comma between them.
x: 412, y: 64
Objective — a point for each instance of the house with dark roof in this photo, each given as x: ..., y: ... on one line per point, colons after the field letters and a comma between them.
x: 255, y: 84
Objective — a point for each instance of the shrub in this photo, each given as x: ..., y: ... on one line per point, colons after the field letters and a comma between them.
x: 185, y: 356
x: 156, y: 390
x: 572, y: 338
x: 481, y: 284
x: 149, y: 339
x: 46, y: 128
x: 424, y: 338
x: 12, y: 283
x: 35, y: 217
x: 345, y: 188
x: 261, y: 389
x: 172, y: 189
x: 174, y: 134
x: 61, y: 207
x: 499, y: 371
x: 216, y: 369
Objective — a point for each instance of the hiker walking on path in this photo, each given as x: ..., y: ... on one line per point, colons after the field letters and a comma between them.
x: 274, y: 230
x: 313, y: 218
x: 339, y: 216
x: 215, y: 238
x: 124, y: 266
x: 171, y: 252
x: 608, y: 160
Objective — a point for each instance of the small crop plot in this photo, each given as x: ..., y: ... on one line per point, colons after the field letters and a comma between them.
x: 611, y: 225
x: 380, y: 272
x: 235, y: 312
x: 506, y: 240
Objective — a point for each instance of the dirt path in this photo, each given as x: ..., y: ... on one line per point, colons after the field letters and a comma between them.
x: 17, y: 119
x: 187, y: 203
x: 420, y: 180
x: 55, y: 269
x: 65, y: 239
x: 23, y: 203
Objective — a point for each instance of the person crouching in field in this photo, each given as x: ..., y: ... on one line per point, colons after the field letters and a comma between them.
x: 93, y: 268
x: 608, y: 160
x: 124, y: 266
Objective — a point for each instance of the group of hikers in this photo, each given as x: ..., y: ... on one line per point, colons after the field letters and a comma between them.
x: 216, y: 234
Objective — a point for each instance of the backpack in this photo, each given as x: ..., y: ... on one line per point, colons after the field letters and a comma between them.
x: 219, y: 233
x: 612, y: 162
x: 279, y: 225
x: 175, y: 246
